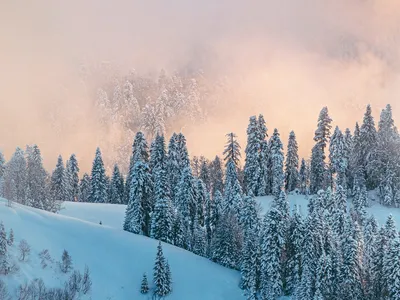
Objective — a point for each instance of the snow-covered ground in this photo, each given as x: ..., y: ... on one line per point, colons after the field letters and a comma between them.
x: 380, y: 212
x: 117, y: 259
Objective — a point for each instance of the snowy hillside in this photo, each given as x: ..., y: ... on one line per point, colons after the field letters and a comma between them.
x: 117, y: 259
x: 378, y: 211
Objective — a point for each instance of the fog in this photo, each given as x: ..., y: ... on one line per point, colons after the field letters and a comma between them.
x: 285, y: 59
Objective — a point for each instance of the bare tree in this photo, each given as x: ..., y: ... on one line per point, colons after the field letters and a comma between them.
x: 24, y: 250
x: 75, y: 283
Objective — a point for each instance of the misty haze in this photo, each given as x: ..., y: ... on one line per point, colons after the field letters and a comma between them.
x: 199, y: 149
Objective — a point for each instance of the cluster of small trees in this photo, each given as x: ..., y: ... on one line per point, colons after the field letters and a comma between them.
x: 77, y: 284
x: 162, y: 276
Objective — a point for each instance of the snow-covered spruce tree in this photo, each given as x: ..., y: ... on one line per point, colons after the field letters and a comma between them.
x: 160, y: 274
x: 303, y: 180
x: 377, y: 262
x: 368, y: 138
x: 137, y: 215
x: 391, y: 269
x: 271, y: 249
x: 84, y: 188
x: 185, y: 203
x: 216, y: 209
x: 199, y: 238
x: 117, y: 187
x: 200, y: 200
x: 293, y: 251
x: 232, y: 150
x: 292, y: 164
x: 232, y: 189
x: 3, y: 250
x: 227, y: 241
x: 277, y: 159
x: 59, y: 181
x: 140, y: 152
x: 205, y: 175
x: 351, y: 272
x: 73, y: 171
x: 251, y: 248
x: 169, y: 276
x: 370, y: 236
x: 349, y: 144
x: 338, y: 159
x: 98, y: 192
x: 66, y: 262
x: 144, y: 287
x: 36, y: 178
x: 324, y: 284
x: 14, y: 181
x: 217, y: 176
x: 173, y: 159
x: 162, y: 216
x: 184, y: 160
x: 252, y: 167
x: 322, y: 135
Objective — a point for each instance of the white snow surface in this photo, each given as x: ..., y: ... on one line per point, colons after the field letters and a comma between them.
x: 117, y: 259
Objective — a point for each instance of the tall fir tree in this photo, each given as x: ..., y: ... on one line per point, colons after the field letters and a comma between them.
x: 217, y: 176
x: 338, y: 159
x: 160, y: 274
x: 73, y: 170
x: 98, y: 180
x: 36, y: 179
x: 252, y: 165
x: 59, y: 184
x: 292, y: 164
x: 84, y: 188
x: 138, y: 210
x: 321, y: 137
x: 232, y: 150
x: 368, y: 137
x: 15, y: 176
x: 117, y: 188
x: 277, y: 159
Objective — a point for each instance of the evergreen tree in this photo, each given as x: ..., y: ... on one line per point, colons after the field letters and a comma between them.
x: 217, y: 176
x: 293, y: 251
x: 292, y: 164
x: 160, y: 274
x: 137, y: 215
x: 117, y: 187
x: 59, y: 181
x: 271, y: 249
x: 277, y: 159
x: 232, y: 189
x: 140, y: 152
x: 98, y: 180
x: 36, y: 176
x: 14, y: 181
x: 322, y: 135
x: 84, y: 188
x: 252, y: 162
x: 144, y: 287
x: 10, y: 240
x: 337, y: 157
x: 368, y: 138
x: 303, y: 177
x: 205, y: 175
x: 184, y: 161
x: 251, y: 252
x: 173, y: 167
x: 377, y: 265
x: 73, y: 170
x: 4, y: 261
x: 391, y: 269
x: 199, y: 239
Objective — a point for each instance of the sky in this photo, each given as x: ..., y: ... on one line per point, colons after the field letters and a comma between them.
x: 286, y: 59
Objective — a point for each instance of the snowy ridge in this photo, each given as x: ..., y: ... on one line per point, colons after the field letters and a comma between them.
x: 117, y: 259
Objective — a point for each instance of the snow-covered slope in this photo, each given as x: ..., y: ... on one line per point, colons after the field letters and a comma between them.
x: 378, y: 211
x: 117, y: 259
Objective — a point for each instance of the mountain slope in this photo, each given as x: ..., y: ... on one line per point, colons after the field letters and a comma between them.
x: 117, y: 259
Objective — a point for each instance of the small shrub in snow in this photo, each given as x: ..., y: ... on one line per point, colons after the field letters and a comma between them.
x: 144, y: 288
x: 10, y: 240
x: 24, y: 250
x: 86, y: 281
x: 22, y: 292
x: 45, y: 258
x: 66, y: 262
